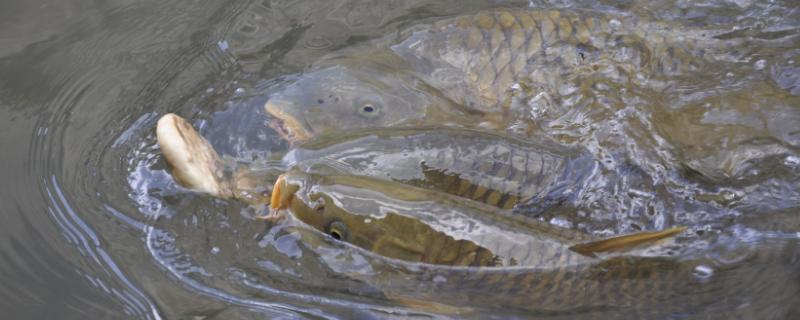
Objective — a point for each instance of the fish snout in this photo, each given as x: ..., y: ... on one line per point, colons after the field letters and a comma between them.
x: 286, y: 119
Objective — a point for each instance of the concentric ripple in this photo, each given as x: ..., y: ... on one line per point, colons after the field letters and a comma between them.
x: 94, y: 227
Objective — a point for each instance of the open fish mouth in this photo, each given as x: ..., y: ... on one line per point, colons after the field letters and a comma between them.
x: 286, y: 125
x: 280, y: 127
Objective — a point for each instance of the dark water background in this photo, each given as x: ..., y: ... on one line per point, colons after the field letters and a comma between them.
x: 84, y: 235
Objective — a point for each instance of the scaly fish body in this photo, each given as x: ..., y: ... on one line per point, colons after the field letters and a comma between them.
x: 420, y: 225
x: 488, y: 69
x: 493, y: 169
x: 625, y: 287
x: 496, y: 170
x: 548, y: 276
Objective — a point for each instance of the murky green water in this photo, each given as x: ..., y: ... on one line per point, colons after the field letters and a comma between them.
x: 94, y: 227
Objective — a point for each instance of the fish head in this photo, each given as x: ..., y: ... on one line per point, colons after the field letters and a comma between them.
x: 339, y: 98
x: 312, y: 200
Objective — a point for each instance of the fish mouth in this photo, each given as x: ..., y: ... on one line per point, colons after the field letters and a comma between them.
x: 285, y: 124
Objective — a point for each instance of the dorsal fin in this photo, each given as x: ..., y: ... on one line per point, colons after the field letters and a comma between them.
x: 626, y: 242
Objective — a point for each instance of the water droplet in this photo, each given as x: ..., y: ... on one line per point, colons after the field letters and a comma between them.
x: 703, y: 272
x: 792, y: 161
x: 728, y: 195
x: 223, y: 45
x: 561, y: 222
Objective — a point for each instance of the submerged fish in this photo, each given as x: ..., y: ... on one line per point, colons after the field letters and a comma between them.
x: 488, y: 69
x: 419, y: 225
x: 532, y: 268
x: 492, y: 169
x: 525, y: 267
x: 497, y: 170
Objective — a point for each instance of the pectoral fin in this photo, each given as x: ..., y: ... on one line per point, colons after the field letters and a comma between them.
x: 622, y: 243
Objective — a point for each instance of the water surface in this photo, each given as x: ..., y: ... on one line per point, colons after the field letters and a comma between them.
x: 94, y: 227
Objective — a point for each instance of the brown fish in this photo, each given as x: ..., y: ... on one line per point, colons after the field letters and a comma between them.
x: 490, y: 70
x: 497, y: 170
x: 493, y: 169
x: 419, y: 225
x: 554, y: 272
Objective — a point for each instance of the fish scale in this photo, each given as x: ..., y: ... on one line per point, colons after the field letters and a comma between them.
x: 502, y: 69
x: 502, y: 47
x: 556, y: 281
x: 496, y: 170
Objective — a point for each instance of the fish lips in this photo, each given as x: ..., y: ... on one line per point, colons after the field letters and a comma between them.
x: 285, y: 122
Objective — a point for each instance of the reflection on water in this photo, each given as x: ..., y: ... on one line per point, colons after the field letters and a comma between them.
x: 94, y: 226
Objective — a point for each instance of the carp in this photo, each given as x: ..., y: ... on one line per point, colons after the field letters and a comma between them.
x: 499, y: 69
x: 420, y: 225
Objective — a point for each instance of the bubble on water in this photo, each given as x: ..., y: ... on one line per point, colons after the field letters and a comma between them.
x: 223, y: 45
x: 215, y: 250
x: 760, y: 64
x: 539, y: 105
x: 792, y: 161
x: 439, y: 278
x: 728, y: 195
x: 614, y: 23
x: 239, y: 90
x: 743, y: 3
x: 703, y: 272
x: 561, y: 222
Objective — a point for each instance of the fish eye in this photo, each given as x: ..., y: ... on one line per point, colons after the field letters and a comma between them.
x: 368, y: 109
x: 338, y: 230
